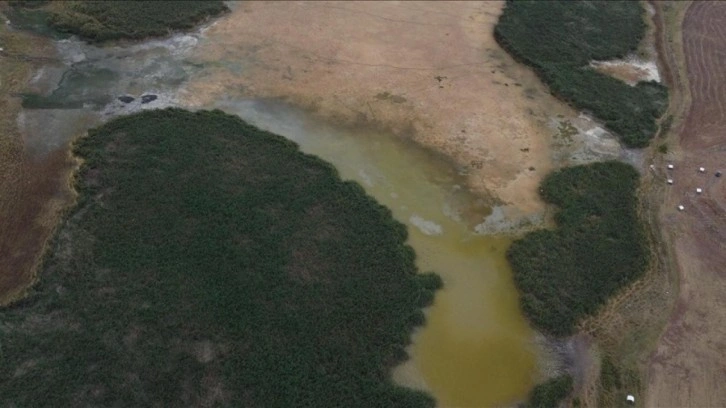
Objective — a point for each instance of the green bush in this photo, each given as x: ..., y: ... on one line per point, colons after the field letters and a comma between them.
x: 551, y: 393
x: 99, y: 21
x: 559, y: 39
x: 597, y: 248
x: 196, y: 227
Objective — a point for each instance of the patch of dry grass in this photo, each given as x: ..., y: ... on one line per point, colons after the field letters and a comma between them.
x: 33, y: 190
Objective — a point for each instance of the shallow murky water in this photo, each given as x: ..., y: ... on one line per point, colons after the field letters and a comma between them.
x: 476, y: 349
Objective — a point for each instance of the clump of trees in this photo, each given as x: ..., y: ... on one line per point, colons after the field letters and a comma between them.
x: 597, y: 248
x: 550, y: 393
x: 98, y: 21
x: 559, y: 39
x: 30, y: 4
x: 198, y: 228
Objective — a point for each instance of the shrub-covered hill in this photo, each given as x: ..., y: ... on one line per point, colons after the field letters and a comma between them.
x: 211, y: 262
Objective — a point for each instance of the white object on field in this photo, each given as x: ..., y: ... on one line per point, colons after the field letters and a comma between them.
x: 699, y: 191
x: 630, y: 398
x: 670, y: 166
x: 681, y: 208
x: 670, y: 181
x: 702, y: 170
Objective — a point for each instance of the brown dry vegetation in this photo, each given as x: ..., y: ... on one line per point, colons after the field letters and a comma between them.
x: 33, y: 189
x: 428, y: 71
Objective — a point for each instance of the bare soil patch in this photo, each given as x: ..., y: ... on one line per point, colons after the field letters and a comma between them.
x: 688, y: 366
x: 428, y: 71
x: 630, y: 72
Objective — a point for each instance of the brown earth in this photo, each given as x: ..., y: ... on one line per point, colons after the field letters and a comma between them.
x: 428, y: 71
x: 625, y: 72
x: 688, y: 368
x: 33, y: 189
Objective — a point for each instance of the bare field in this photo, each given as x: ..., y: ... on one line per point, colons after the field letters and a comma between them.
x: 428, y: 71
x: 33, y: 189
x: 688, y: 366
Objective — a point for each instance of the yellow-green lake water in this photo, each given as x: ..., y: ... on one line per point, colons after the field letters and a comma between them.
x: 476, y: 349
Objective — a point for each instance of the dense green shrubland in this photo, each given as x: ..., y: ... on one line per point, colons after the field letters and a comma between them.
x: 99, y: 21
x: 559, y: 39
x: 550, y: 393
x: 597, y: 248
x: 194, y: 227
x: 30, y: 4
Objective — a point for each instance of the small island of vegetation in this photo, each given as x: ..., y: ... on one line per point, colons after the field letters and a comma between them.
x: 559, y: 39
x: 209, y: 263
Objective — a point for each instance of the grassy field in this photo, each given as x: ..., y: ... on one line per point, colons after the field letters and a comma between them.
x: 209, y: 262
x: 559, y: 39
x: 99, y: 21
x: 598, y: 246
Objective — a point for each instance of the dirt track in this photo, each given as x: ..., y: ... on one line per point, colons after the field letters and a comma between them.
x: 688, y: 368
